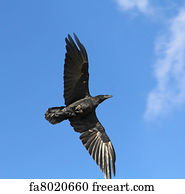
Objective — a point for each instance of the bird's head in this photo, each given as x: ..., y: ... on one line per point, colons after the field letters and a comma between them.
x: 100, y: 98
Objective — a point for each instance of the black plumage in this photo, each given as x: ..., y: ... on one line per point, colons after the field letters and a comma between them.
x: 80, y: 108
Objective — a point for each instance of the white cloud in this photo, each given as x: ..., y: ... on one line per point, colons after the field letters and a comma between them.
x: 169, y: 69
x: 140, y: 5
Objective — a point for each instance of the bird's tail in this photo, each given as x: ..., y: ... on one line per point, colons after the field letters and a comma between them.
x: 55, y: 115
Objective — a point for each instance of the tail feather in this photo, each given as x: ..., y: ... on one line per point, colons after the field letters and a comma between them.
x: 55, y: 115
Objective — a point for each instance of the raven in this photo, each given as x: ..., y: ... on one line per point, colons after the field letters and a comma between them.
x: 80, y: 107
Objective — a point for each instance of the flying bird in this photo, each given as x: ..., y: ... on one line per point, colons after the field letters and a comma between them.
x: 80, y: 107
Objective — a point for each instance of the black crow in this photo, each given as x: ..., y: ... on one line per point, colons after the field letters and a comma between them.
x: 80, y: 107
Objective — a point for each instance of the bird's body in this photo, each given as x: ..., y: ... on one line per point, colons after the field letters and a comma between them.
x: 80, y: 108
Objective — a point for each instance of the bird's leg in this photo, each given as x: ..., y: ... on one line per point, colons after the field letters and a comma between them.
x: 78, y: 109
x: 69, y: 112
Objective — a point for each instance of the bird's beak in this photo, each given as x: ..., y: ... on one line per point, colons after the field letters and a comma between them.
x: 108, y: 96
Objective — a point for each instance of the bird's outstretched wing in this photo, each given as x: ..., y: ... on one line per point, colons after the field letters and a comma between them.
x: 76, y: 76
x: 96, y: 141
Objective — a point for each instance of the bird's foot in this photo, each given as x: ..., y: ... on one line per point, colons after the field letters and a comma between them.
x: 78, y: 109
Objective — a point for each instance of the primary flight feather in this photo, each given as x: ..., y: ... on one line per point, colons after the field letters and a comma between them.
x: 80, y: 107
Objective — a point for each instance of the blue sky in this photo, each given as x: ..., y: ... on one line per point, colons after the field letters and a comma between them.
x: 136, y: 53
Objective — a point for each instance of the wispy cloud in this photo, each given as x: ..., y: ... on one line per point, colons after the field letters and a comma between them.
x: 139, y: 5
x: 169, y: 69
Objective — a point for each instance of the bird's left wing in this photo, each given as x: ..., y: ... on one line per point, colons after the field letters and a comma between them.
x: 76, y: 75
x: 96, y: 141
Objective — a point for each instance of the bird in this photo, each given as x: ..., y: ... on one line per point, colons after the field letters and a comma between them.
x: 80, y: 107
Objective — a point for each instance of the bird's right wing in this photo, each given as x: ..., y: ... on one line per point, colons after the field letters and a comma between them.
x: 96, y: 141
x: 76, y: 76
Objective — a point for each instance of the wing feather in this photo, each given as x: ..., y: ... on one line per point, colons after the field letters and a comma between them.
x: 76, y: 76
x: 96, y: 141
